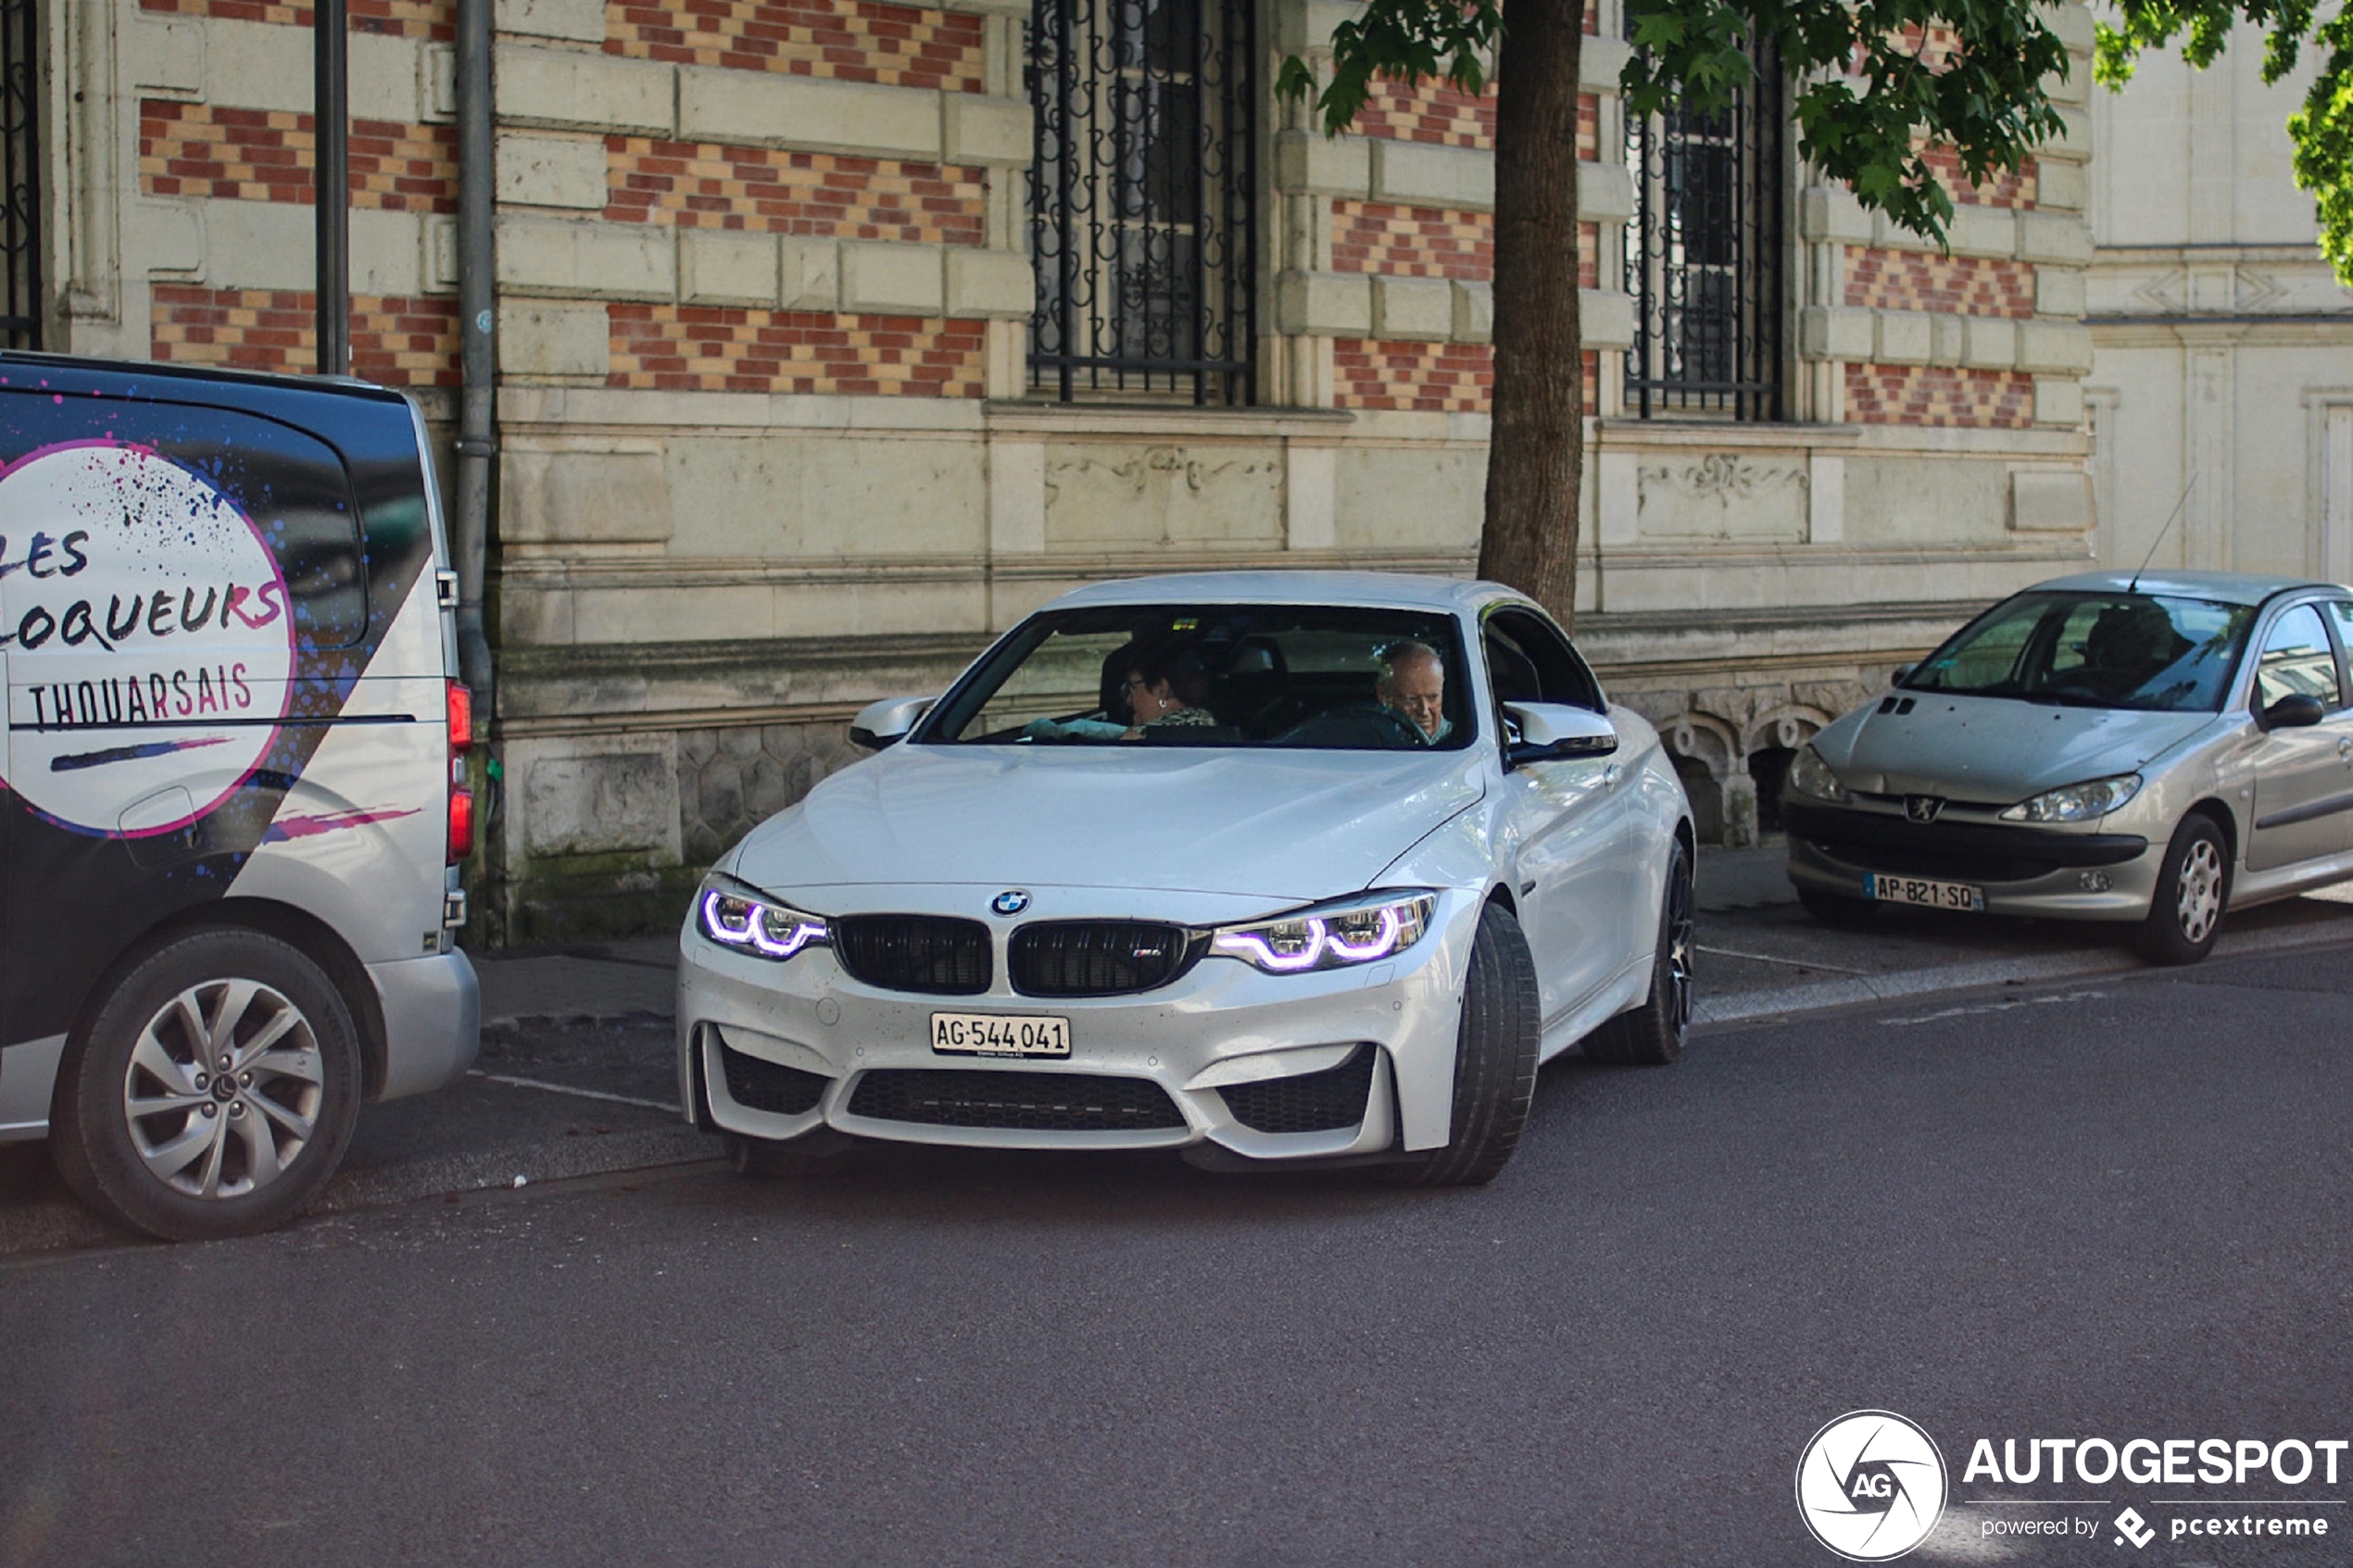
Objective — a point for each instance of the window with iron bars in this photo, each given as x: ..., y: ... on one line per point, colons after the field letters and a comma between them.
x: 1141, y: 198
x: 21, y: 306
x: 1703, y: 256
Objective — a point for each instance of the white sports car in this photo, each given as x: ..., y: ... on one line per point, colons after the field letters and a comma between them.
x: 1276, y: 867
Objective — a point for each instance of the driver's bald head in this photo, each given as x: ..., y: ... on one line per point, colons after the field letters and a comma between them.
x: 1413, y: 682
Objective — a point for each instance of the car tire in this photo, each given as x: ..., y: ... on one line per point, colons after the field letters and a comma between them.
x: 143, y: 1129
x: 1651, y: 1035
x: 1837, y: 909
x: 1494, y: 1059
x: 814, y: 1155
x: 2193, y: 889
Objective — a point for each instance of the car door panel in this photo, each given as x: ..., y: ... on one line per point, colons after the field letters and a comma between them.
x: 1569, y: 878
x: 1569, y: 823
x: 2303, y: 775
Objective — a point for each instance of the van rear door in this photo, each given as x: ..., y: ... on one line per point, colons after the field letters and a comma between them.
x: 186, y: 579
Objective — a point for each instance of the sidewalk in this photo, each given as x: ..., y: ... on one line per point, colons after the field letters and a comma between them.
x: 1760, y: 954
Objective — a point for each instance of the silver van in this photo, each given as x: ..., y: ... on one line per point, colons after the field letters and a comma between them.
x: 231, y: 799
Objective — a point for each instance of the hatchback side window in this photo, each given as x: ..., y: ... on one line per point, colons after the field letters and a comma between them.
x: 2298, y: 660
x: 2341, y: 617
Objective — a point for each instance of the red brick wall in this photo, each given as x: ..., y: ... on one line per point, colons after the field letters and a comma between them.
x: 1449, y: 117
x: 849, y: 40
x: 399, y: 18
x: 697, y: 185
x: 692, y: 348
x: 1415, y: 242
x: 397, y: 340
x: 267, y: 155
x: 1961, y: 285
x: 1440, y: 378
x: 1935, y: 395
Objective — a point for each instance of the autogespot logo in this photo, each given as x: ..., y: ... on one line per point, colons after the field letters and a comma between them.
x: 1870, y: 1486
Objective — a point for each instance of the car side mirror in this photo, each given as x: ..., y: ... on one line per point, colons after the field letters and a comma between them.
x: 2294, y: 711
x: 1554, y: 731
x: 885, y: 723
x: 1901, y: 673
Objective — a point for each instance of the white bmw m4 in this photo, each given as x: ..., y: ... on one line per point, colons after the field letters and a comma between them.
x: 1273, y: 867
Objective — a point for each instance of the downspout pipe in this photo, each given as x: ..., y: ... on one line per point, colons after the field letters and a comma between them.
x: 331, y: 172
x: 477, y: 310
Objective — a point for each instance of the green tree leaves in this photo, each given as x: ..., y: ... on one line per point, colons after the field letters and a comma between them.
x: 1881, y: 83
x: 2322, y: 130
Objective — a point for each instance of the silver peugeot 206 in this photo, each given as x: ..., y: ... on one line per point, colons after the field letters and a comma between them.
x: 2098, y: 747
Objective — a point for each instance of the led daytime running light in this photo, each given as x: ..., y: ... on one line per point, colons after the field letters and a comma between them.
x: 1323, y: 940
x: 754, y: 927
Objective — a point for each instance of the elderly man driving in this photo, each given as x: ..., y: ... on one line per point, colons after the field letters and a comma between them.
x: 1412, y: 685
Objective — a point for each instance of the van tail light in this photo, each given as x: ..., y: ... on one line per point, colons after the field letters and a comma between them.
x: 462, y: 799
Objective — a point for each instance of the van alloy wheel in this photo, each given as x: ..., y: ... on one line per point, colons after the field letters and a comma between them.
x: 149, y: 1127
x: 224, y: 1088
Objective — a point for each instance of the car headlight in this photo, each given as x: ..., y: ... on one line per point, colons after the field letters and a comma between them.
x: 2077, y: 803
x: 734, y: 916
x: 1808, y: 774
x: 1333, y: 935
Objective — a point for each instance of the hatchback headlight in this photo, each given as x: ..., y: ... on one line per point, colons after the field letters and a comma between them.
x: 1808, y: 774
x: 734, y: 916
x: 2077, y: 803
x: 1334, y: 936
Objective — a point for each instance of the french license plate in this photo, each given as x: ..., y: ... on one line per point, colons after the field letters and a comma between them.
x: 1918, y: 890
x: 996, y: 1034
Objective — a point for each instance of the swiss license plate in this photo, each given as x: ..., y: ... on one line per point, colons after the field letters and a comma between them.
x: 997, y: 1034
x: 1920, y: 890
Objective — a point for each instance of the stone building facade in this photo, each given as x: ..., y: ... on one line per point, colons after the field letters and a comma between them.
x: 835, y: 336
x: 2223, y: 375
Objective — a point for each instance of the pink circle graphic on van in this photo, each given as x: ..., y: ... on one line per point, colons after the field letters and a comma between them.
x: 148, y: 636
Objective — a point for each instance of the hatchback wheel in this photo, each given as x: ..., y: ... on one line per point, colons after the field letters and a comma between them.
x: 2193, y: 886
x: 214, y: 1093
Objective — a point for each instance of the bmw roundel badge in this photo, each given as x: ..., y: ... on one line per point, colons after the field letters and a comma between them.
x: 1010, y: 902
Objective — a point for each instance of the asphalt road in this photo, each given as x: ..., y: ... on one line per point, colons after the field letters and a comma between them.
x: 2120, y: 1207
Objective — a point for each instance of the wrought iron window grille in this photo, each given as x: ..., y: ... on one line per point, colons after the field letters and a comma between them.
x: 21, y: 307
x: 1142, y: 198
x: 1703, y: 256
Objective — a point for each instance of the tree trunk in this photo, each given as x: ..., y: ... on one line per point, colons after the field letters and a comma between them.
x: 1536, y: 453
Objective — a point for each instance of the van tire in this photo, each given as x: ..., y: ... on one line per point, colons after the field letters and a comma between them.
x: 249, y: 1154
x: 1495, y: 1050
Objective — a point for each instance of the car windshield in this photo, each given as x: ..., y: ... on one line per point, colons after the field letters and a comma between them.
x: 2142, y: 651
x: 1306, y: 676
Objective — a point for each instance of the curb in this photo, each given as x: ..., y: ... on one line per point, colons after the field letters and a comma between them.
x: 56, y: 1225
x: 1745, y: 1006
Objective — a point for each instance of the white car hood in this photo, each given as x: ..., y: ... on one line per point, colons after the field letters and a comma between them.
x: 1280, y: 826
x: 1991, y: 749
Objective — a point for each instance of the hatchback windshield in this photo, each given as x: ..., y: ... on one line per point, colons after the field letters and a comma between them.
x: 2093, y: 650
x: 1241, y: 675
